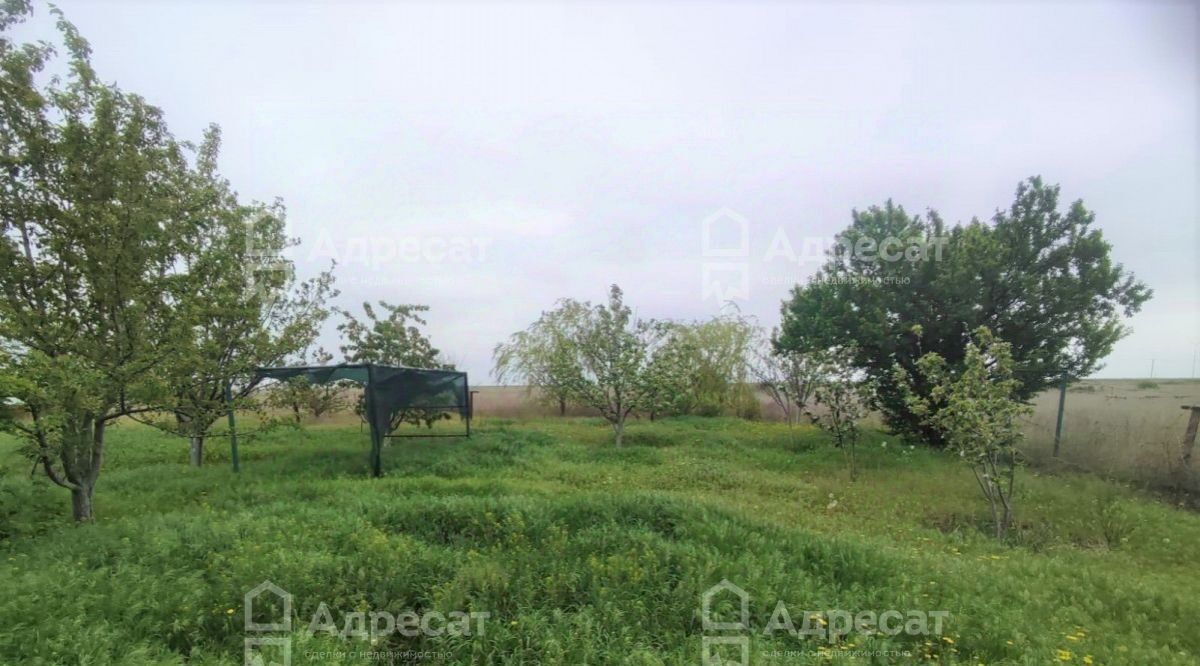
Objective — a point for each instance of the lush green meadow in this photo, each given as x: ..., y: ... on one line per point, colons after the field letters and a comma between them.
x: 585, y: 553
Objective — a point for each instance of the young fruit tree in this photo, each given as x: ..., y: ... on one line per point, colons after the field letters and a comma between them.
x: 395, y: 339
x: 527, y: 356
x: 845, y: 397
x: 301, y: 397
x: 787, y: 377
x: 242, y: 305
x: 1040, y: 272
x: 978, y: 414
x: 97, y: 208
x: 606, y: 362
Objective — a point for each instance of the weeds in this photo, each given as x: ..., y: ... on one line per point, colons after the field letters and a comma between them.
x: 582, y: 553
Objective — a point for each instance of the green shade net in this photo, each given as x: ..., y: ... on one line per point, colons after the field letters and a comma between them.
x: 390, y: 391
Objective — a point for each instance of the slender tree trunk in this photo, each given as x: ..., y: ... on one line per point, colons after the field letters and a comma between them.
x: 619, y: 430
x: 562, y: 406
x: 196, y: 450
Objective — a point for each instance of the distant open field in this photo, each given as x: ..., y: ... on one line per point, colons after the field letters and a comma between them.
x: 1124, y: 428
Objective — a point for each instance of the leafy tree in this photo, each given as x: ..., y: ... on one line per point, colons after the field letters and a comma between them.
x: 242, y: 305
x: 717, y: 354
x: 528, y: 355
x: 1039, y: 276
x: 787, y: 377
x: 97, y: 207
x: 303, y: 397
x: 395, y: 339
x: 977, y: 409
x: 671, y: 371
x: 845, y: 398
x: 606, y: 362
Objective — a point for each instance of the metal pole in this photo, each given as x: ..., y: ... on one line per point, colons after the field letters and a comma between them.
x: 233, y: 453
x: 1062, y: 399
x: 470, y: 409
x: 376, y: 436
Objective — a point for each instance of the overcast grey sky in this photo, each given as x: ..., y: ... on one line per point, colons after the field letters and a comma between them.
x: 489, y: 159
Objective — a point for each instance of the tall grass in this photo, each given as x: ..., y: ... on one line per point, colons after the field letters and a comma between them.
x: 584, y: 553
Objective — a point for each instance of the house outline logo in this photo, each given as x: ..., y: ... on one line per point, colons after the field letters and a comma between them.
x: 706, y: 608
x: 248, y: 608
x: 252, y: 645
x: 734, y: 221
x: 709, y: 650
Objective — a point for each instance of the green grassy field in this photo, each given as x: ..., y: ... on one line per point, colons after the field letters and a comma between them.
x: 584, y: 553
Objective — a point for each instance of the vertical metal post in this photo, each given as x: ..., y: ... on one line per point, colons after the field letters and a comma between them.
x: 1062, y: 399
x: 376, y: 436
x: 470, y: 408
x: 233, y: 452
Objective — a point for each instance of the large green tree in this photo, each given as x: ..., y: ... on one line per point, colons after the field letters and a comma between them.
x: 899, y: 286
x: 97, y: 205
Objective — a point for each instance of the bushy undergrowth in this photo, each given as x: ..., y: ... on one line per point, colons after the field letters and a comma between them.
x: 585, y: 553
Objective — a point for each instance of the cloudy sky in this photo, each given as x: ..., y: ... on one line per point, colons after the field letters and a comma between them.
x: 489, y: 159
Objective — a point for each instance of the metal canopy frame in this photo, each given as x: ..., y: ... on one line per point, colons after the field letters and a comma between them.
x: 398, y: 382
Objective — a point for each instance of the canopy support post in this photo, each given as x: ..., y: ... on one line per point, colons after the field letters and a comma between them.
x: 233, y: 453
x: 376, y: 436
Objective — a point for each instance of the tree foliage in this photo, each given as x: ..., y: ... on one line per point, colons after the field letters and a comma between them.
x: 606, y: 361
x: 845, y: 399
x: 1040, y: 277
x: 396, y: 338
x: 528, y: 356
x: 714, y: 353
x: 977, y: 410
x: 301, y: 397
x: 241, y: 305
x: 97, y: 206
x: 788, y: 377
